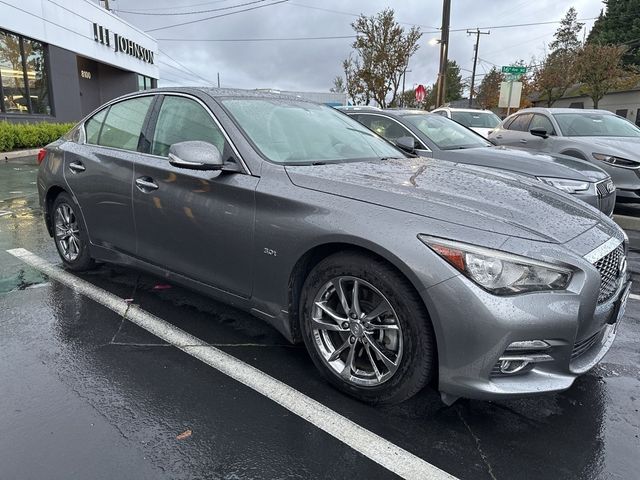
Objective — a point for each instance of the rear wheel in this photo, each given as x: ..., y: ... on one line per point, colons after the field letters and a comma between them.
x: 70, y: 235
x: 366, y: 329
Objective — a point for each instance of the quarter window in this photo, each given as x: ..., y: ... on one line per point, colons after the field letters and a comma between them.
x: 541, y: 121
x: 123, y: 126
x: 180, y: 120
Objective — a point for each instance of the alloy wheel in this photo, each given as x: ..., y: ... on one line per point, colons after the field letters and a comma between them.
x: 356, y: 331
x: 67, y: 232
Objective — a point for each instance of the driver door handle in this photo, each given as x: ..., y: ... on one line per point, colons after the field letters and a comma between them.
x: 77, y: 167
x: 522, y: 140
x: 146, y: 184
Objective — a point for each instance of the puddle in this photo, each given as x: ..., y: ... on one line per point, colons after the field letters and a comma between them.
x: 21, y: 280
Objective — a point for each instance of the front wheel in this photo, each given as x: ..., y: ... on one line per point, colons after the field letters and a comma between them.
x: 366, y: 329
x: 70, y: 235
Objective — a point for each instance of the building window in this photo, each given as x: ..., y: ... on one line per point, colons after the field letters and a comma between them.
x: 24, y: 79
x: 145, y: 83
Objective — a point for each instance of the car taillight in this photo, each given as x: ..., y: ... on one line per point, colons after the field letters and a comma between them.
x: 41, y: 154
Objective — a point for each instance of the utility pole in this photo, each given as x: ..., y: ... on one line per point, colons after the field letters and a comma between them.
x: 218, y: 79
x: 444, y: 47
x: 477, y: 32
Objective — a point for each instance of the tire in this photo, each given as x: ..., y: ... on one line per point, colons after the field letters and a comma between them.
x: 409, y: 347
x: 70, y: 234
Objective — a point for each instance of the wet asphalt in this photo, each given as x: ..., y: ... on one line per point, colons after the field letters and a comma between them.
x: 85, y: 394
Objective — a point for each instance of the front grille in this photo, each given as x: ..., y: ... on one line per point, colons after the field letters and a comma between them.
x: 605, y: 188
x: 609, y: 268
x: 583, y: 345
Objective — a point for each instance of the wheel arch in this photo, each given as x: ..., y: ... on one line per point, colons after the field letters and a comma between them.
x: 50, y: 197
x: 314, y: 255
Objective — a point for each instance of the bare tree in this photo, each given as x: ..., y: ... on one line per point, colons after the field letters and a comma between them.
x: 338, y: 85
x: 382, y: 51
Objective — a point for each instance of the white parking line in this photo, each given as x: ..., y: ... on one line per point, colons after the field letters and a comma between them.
x: 634, y: 296
x: 376, y: 448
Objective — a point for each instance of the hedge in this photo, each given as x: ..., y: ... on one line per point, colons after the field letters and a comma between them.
x: 16, y: 136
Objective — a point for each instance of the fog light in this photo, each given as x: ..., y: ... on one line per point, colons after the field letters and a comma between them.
x: 512, y: 366
x: 528, y: 345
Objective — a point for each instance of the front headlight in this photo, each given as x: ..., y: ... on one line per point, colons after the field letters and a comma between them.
x: 617, y: 161
x: 566, y: 185
x: 498, y: 272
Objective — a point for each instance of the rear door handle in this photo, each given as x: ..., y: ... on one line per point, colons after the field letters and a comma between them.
x: 522, y: 140
x: 76, y: 167
x: 498, y: 136
x: 146, y: 184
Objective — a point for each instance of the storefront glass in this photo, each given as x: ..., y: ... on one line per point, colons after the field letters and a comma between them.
x: 24, y: 83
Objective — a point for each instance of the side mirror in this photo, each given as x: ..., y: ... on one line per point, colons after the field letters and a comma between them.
x: 539, y: 132
x: 195, y: 155
x: 408, y: 144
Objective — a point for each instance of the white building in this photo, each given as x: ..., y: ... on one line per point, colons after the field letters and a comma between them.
x: 61, y: 59
x: 624, y: 103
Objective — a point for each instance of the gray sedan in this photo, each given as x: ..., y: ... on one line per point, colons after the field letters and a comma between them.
x: 430, y: 135
x: 606, y: 140
x: 395, y: 272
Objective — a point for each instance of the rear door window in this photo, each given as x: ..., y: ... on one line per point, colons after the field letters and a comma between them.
x: 123, y: 126
x: 181, y: 119
x: 520, y: 122
x: 93, y: 125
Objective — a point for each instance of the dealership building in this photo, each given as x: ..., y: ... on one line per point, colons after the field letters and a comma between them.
x: 61, y: 59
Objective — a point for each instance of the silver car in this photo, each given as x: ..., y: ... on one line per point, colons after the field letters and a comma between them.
x: 607, y: 140
x: 394, y: 271
x: 480, y: 121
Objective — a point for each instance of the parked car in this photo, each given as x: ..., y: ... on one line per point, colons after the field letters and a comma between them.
x: 431, y: 135
x: 394, y: 271
x: 601, y: 137
x: 480, y: 121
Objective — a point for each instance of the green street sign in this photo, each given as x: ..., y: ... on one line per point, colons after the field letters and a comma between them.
x: 512, y: 77
x: 513, y: 69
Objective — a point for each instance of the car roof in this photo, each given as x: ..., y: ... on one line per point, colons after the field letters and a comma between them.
x: 563, y: 110
x: 470, y: 110
x: 222, y: 93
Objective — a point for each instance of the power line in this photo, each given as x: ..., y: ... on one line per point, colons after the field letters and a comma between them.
x: 186, y: 68
x: 351, y: 14
x: 216, y: 16
x: 133, y: 12
x: 183, y: 6
x: 272, y: 39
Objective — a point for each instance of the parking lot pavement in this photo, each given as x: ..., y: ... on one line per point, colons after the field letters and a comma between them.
x: 87, y: 394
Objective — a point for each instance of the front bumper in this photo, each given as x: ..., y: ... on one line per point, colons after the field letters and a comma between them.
x: 474, y: 328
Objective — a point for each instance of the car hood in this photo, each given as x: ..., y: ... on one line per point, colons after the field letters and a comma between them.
x: 484, y: 131
x: 474, y: 197
x: 625, y: 147
x: 527, y: 162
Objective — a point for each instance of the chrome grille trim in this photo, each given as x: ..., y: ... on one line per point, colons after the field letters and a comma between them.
x: 607, y: 247
x: 602, y: 188
x: 610, y: 273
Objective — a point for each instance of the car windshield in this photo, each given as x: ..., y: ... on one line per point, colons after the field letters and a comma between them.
x: 445, y: 133
x: 294, y: 132
x: 583, y: 124
x: 476, y: 119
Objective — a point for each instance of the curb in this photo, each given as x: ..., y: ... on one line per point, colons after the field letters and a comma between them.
x: 20, y: 155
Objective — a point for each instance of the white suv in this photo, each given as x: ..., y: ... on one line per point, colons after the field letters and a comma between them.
x: 480, y: 121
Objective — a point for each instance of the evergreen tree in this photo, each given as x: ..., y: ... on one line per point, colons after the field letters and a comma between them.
x: 489, y: 91
x: 566, y: 38
x: 453, y: 85
x: 619, y: 25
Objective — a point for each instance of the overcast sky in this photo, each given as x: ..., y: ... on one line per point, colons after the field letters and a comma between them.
x: 311, y: 65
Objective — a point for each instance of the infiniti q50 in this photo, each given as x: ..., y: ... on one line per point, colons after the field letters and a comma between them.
x: 394, y: 271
